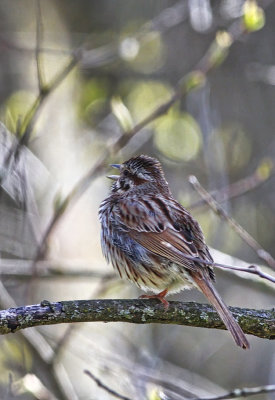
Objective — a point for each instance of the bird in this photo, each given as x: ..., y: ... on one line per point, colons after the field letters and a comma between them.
x: 153, y: 241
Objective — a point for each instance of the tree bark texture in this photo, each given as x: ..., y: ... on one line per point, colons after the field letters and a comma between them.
x: 259, y: 323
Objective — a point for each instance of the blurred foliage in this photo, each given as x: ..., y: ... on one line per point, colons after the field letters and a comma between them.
x: 153, y: 394
x: 254, y: 16
x: 16, y: 107
x: 93, y: 96
x: 122, y: 114
x: 237, y: 146
x: 178, y: 136
x: 146, y: 57
x: 143, y: 97
x: 15, y: 357
x: 265, y: 168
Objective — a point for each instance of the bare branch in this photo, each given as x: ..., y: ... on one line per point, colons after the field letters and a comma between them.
x: 39, y: 37
x: 261, y: 253
x: 106, y: 388
x: 236, y: 189
x: 252, y: 269
x: 22, y: 269
x: 243, y: 392
x: 31, y: 117
x: 259, y: 323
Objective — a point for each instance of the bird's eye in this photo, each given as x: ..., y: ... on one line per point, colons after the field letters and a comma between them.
x: 126, y: 172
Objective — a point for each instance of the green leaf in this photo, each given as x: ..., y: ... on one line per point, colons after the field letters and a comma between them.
x: 178, y: 136
x: 265, y: 169
x: 254, y: 16
x: 122, y: 114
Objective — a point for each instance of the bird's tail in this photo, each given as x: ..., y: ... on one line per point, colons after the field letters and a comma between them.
x: 214, y: 298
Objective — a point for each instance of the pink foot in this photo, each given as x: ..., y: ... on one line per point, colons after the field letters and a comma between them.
x: 160, y: 296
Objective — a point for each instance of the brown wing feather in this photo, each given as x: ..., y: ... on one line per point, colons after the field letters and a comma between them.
x: 161, y: 228
x: 165, y: 245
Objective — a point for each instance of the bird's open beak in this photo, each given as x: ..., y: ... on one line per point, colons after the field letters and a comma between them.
x: 114, y: 177
x: 117, y: 166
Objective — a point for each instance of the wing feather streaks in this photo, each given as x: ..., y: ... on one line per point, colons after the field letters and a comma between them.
x: 163, y: 233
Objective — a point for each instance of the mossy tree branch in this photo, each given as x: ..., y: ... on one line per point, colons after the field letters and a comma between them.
x: 259, y: 323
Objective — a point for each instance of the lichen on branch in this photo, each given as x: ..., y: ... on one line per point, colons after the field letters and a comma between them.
x: 259, y: 323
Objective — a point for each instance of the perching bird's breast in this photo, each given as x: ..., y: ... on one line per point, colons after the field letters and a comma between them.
x: 132, y: 261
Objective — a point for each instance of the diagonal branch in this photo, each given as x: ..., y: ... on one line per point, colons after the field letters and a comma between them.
x: 259, y: 323
x: 238, y: 188
x: 247, y: 238
x: 243, y: 392
x: 109, y: 390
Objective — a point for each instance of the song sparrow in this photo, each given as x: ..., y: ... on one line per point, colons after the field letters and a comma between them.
x: 148, y: 236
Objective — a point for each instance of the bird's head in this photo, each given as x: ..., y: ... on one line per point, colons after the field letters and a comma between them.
x: 136, y: 172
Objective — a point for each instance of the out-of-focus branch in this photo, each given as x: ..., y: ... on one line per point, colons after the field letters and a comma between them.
x: 105, y: 387
x: 106, y: 54
x: 238, y: 188
x: 30, y: 384
x: 22, y: 269
x: 261, y: 253
x: 39, y: 32
x: 213, y: 58
x: 162, y: 23
x: 28, y: 122
x: 31, y: 117
x: 259, y: 323
x: 242, y: 392
x: 35, y: 340
x: 39, y: 345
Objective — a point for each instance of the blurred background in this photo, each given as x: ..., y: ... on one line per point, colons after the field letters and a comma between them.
x: 113, y: 63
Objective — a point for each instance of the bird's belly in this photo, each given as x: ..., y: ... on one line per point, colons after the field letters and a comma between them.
x: 158, y: 277
x: 147, y: 270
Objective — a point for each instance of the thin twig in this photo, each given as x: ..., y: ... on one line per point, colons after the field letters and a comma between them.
x: 106, y: 388
x: 252, y: 269
x: 9, y: 392
x: 261, y: 253
x: 236, y: 189
x: 39, y: 38
x: 31, y: 116
x: 243, y: 392
x: 162, y: 23
x: 49, y: 270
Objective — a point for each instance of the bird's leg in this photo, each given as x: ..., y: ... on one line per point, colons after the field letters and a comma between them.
x: 160, y: 296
